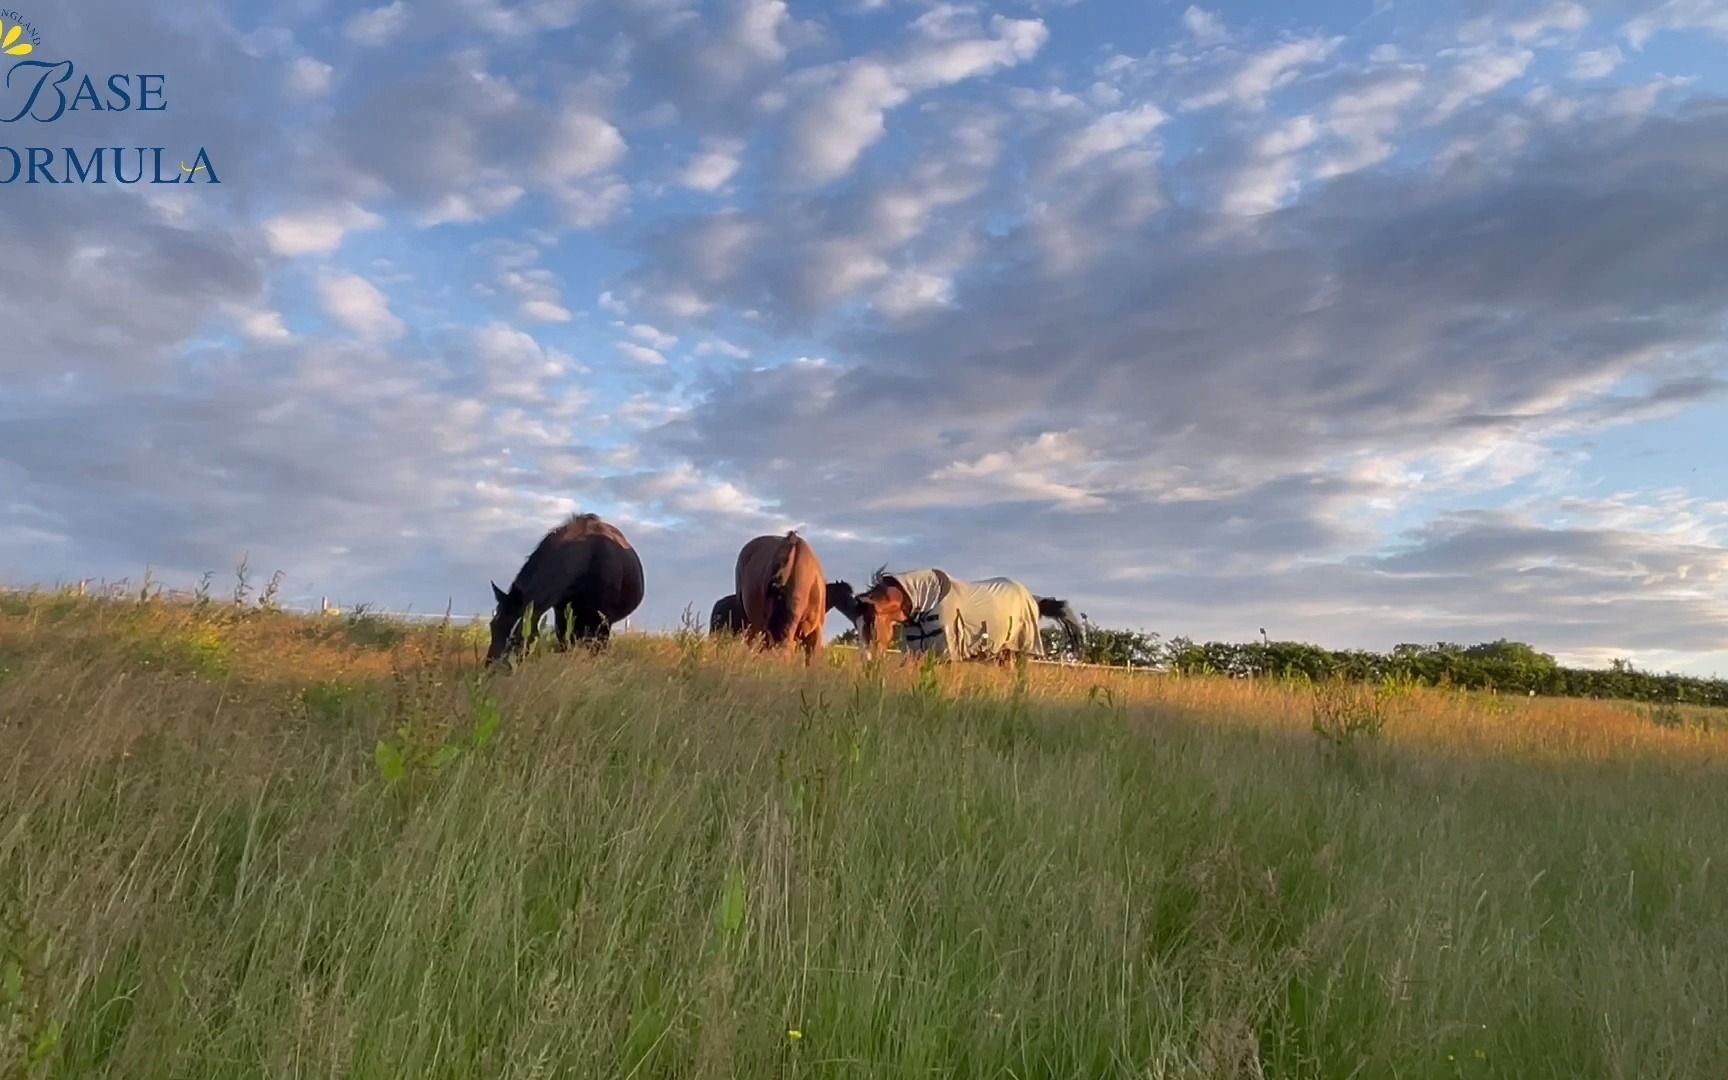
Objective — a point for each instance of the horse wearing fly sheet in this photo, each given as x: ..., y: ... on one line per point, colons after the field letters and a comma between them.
x: 966, y: 620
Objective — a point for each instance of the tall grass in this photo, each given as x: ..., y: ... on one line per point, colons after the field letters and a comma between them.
x: 261, y: 845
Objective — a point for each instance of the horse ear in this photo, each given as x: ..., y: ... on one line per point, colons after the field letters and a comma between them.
x: 496, y: 591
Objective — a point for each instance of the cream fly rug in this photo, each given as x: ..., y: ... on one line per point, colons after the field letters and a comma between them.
x: 969, y: 619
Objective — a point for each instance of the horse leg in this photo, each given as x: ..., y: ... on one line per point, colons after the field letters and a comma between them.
x: 596, y: 631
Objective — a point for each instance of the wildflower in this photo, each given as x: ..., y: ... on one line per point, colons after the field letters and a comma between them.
x: 794, y: 1034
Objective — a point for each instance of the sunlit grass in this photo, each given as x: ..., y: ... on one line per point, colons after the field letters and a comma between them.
x: 666, y: 860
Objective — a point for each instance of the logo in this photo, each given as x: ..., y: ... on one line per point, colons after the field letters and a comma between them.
x: 17, y: 36
x: 36, y: 91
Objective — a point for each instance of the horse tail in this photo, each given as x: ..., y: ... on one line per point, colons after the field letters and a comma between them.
x: 780, y: 582
x: 785, y: 563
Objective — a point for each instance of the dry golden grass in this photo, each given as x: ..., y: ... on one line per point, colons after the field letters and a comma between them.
x: 255, y: 844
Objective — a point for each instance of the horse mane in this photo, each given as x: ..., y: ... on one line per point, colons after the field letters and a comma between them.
x: 586, y: 518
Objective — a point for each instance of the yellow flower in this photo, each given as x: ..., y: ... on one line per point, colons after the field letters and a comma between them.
x: 10, y: 43
x: 794, y: 1034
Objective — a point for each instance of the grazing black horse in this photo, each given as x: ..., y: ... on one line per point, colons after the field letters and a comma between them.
x: 585, y: 572
x: 1063, y: 612
x: 841, y: 598
x: 728, y: 614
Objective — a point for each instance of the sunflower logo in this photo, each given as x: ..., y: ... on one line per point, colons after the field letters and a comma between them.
x: 9, y: 43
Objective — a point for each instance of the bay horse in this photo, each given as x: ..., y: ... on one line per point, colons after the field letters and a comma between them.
x: 585, y: 571
x: 779, y: 582
x: 727, y: 616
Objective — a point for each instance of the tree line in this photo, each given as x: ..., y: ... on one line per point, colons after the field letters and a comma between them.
x: 1506, y: 666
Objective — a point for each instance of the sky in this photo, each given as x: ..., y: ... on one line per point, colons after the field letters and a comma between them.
x: 1362, y: 322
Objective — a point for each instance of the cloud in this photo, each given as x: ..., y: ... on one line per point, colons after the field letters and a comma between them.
x: 1710, y: 16
x: 515, y: 365
x: 539, y: 291
x: 1104, y: 136
x: 713, y: 66
x: 377, y: 26
x: 578, y: 146
x: 1270, y: 175
x: 713, y: 167
x: 309, y: 79
x: 811, y: 250
x: 641, y: 354
x: 295, y: 454
x: 110, y: 257
x: 265, y: 327
x: 722, y: 347
x: 911, y: 291
x: 1596, y: 63
x: 545, y: 311
x: 1483, y: 575
x: 591, y: 205
x: 652, y: 336
x: 519, y: 20
x: 317, y: 230
x: 1259, y: 74
x: 1206, y: 27
x: 1364, y: 117
x: 1478, y: 71
x: 848, y: 115
x: 1041, y: 470
x: 1567, y: 17
x: 463, y: 144
x: 358, y: 306
x: 1219, y: 393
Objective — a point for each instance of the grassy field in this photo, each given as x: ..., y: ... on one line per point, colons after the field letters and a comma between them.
x: 263, y: 845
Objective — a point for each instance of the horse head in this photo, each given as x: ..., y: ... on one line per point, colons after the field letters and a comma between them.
x: 878, y: 609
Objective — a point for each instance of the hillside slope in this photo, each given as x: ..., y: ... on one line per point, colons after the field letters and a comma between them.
x: 249, y: 844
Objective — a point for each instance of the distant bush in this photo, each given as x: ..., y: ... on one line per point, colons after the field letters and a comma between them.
x: 1505, y: 666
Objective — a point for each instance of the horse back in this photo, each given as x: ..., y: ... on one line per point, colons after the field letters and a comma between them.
x: 781, y: 584
x: 1003, y: 607
x: 587, y: 564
